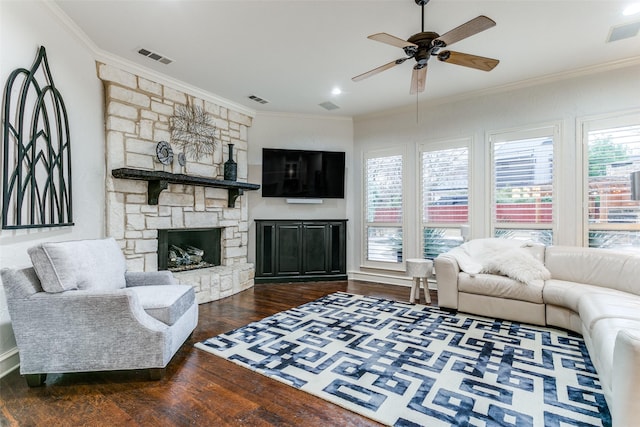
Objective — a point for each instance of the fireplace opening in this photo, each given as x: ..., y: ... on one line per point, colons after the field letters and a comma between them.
x: 188, y: 249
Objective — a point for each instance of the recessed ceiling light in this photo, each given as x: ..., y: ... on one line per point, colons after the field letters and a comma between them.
x: 632, y: 9
x: 336, y: 91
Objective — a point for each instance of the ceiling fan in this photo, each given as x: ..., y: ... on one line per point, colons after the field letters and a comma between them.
x: 423, y: 45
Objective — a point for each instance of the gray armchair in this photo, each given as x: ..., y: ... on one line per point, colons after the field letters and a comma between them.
x: 78, y: 310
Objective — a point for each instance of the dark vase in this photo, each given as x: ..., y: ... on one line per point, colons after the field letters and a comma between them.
x: 230, y: 167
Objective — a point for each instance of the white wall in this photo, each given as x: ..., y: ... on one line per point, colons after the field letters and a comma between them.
x: 561, y: 101
x: 306, y: 133
x: 24, y: 27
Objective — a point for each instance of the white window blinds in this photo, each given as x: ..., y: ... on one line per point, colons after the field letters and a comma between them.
x: 523, y: 192
x: 445, y: 198
x: 384, y: 189
x: 383, y: 210
x: 613, y: 214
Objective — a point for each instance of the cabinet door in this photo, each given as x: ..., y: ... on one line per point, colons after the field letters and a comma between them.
x: 288, y: 249
x: 337, y: 247
x: 314, y: 250
x: 265, y: 249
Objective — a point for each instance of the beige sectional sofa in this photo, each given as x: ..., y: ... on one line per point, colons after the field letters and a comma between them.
x: 594, y: 292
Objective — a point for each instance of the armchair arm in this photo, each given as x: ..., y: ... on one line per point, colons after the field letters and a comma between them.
x: 447, y: 270
x: 147, y: 278
x: 77, y: 331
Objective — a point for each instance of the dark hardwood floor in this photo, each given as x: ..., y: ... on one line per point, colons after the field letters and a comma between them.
x: 198, y: 388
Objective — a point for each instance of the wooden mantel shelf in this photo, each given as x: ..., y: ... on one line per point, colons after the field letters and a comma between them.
x: 159, y: 180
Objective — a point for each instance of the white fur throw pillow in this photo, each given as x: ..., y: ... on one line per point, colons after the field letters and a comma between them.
x: 518, y: 264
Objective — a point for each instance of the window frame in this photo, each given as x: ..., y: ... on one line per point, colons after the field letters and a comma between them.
x: 364, y: 262
x: 550, y: 130
x: 441, y: 146
x: 584, y: 126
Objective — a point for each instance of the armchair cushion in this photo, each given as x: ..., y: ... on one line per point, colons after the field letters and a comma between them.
x: 81, y: 264
x: 165, y: 303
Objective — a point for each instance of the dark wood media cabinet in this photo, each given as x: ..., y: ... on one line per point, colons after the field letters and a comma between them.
x: 300, y: 250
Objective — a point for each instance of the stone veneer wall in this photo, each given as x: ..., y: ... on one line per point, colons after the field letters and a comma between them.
x: 137, y: 118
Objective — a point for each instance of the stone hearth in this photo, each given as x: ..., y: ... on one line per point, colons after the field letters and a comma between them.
x: 137, y: 118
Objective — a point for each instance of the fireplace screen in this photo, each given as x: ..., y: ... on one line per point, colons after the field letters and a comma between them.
x: 188, y: 249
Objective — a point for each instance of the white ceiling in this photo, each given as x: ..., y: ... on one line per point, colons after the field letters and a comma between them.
x: 293, y: 53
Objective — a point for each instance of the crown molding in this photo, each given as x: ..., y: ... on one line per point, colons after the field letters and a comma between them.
x: 285, y: 115
x: 522, y: 84
x: 108, y: 58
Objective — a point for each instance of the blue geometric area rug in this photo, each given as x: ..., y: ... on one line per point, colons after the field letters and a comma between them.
x: 406, y: 364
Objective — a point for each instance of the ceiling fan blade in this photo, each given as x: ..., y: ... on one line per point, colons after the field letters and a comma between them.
x: 392, y: 40
x: 467, y: 60
x: 467, y: 29
x: 378, y: 69
x: 418, y: 80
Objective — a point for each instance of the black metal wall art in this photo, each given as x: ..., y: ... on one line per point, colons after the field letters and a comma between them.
x: 36, y: 162
x: 193, y: 130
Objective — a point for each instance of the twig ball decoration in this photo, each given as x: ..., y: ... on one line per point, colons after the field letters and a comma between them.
x: 193, y: 130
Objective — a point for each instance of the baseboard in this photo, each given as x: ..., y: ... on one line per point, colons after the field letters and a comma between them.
x: 9, y: 361
x: 304, y: 278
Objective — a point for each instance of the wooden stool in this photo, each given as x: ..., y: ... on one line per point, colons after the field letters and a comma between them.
x: 419, y: 269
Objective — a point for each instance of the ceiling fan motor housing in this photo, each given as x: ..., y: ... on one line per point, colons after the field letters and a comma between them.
x: 425, y: 49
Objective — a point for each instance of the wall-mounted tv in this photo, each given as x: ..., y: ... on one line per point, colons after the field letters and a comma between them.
x: 302, y: 174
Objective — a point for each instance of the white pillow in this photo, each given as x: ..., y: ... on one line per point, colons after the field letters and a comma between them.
x: 518, y: 264
x: 82, y: 264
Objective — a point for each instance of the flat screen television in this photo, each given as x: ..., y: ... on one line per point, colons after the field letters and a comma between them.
x: 302, y: 174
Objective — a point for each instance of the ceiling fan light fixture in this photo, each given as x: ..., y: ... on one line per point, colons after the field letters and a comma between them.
x: 444, y: 55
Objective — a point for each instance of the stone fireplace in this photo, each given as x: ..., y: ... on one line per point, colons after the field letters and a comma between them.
x: 138, y: 111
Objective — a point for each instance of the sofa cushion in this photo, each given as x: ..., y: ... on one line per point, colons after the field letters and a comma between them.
x: 596, y: 306
x: 167, y: 303
x: 568, y: 294
x: 500, y: 286
x: 82, y: 264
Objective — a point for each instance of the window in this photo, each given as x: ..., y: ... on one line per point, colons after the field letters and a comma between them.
x: 612, y: 148
x: 445, y: 198
x: 383, y: 207
x: 523, y: 184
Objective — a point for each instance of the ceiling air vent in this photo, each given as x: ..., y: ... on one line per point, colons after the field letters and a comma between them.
x: 155, y: 56
x: 623, y: 32
x: 329, y: 106
x: 258, y: 99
